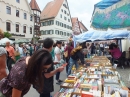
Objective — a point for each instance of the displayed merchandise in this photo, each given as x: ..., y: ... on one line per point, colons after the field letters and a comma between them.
x: 100, y: 79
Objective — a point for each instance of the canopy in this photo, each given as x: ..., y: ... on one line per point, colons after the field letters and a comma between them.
x: 106, y: 3
x: 4, y: 40
x: 114, y: 14
x: 101, y: 35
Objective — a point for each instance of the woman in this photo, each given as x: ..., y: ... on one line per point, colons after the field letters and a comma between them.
x: 115, y: 52
x: 26, y: 71
x: 68, y: 49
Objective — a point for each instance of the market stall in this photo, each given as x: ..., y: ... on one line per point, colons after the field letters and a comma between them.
x: 101, y: 35
x: 100, y: 79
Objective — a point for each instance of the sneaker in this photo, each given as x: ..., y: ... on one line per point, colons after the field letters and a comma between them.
x: 60, y: 81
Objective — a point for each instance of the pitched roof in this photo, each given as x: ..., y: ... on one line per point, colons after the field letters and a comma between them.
x: 34, y: 5
x: 82, y: 26
x: 51, y: 9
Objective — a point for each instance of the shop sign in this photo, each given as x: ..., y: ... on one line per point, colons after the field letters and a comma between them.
x: 20, y: 35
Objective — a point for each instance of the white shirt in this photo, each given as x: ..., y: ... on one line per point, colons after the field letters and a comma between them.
x: 57, y: 51
x: 101, y: 45
x: 20, y: 50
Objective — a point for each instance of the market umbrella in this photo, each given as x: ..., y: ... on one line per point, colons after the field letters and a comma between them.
x: 4, y: 40
x: 114, y: 14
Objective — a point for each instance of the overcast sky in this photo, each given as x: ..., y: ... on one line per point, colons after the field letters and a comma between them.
x: 82, y: 9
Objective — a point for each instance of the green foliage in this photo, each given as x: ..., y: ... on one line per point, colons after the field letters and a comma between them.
x: 7, y: 34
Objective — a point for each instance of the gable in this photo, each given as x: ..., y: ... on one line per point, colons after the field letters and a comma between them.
x: 64, y: 13
x: 51, y: 9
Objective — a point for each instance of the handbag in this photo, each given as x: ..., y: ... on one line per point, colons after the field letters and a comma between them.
x: 66, y: 54
x: 17, y: 53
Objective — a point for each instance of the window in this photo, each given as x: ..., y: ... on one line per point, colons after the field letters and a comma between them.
x: 25, y: 16
x: 8, y: 26
x: 68, y: 34
x: 62, y: 25
x: 51, y: 22
x: 18, y: 1
x: 17, y: 13
x: 65, y: 5
x: 61, y: 33
x: 64, y: 11
x: 57, y: 32
x: 8, y: 10
x: 51, y: 32
x: 31, y: 18
x: 57, y: 23
x: 24, y: 29
x: 64, y: 33
x: 68, y: 20
x: 43, y: 24
x: 30, y: 30
x: 17, y: 27
x: 61, y: 16
x: 65, y: 25
x: 65, y: 18
x: 38, y: 19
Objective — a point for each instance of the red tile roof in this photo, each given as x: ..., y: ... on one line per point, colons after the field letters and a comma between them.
x: 34, y: 5
x: 82, y: 26
x: 51, y: 9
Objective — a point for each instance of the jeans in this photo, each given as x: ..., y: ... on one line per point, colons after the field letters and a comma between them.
x: 67, y: 61
x: 45, y: 95
x: 57, y: 75
x: 71, y: 63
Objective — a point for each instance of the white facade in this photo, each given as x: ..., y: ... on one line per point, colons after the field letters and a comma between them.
x: 57, y: 31
x: 23, y: 7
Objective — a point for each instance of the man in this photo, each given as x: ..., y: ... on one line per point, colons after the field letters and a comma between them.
x: 58, y: 58
x: 75, y: 56
x: 48, y: 76
x: 10, y: 49
x: 11, y: 55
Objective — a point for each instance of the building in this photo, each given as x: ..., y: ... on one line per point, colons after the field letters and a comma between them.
x: 56, y: 21
x: 16, y: 17
x: 36, y: 12
x: 82, y: 27
x: 77, y: 26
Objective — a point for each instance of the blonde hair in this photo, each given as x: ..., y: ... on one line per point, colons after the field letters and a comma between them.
x: 1, y: 32
x: 75, y: 50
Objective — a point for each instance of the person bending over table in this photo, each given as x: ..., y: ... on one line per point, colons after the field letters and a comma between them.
x: 76, y: 54
x: 115, y: 52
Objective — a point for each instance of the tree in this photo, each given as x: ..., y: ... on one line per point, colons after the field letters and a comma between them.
x: 7, y: 34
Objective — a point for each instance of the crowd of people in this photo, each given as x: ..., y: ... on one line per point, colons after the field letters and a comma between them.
x: 34, y: 64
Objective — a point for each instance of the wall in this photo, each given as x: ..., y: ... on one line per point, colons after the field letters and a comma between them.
x: 23, y: 7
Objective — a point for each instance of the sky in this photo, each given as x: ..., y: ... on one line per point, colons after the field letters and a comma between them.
x: 82, y: 9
